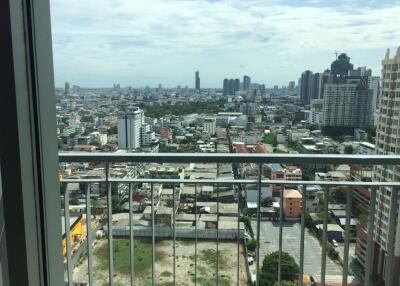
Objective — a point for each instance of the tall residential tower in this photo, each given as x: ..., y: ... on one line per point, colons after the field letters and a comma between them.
x: 387, y: 240
x: 129, y: 124
x: 197, y: 80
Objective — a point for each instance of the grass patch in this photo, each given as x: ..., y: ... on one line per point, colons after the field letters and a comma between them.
x: 121, y: 257
x: 166, y: 274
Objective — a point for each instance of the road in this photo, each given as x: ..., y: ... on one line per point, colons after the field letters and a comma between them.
x: 269, y: 242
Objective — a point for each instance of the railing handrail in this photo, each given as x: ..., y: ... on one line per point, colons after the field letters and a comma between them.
x: 121, y: 157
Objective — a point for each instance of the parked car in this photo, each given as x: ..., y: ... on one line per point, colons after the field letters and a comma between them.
x: 250, y: 260
x: 334, y: 243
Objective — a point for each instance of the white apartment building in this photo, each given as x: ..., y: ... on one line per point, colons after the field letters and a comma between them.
x: 316, y: 111
x: 129, y: 124
x: 98, y: 138
x: 388, y: 143
x: 296, y: 134
x: 347, y: 105
x: 293, y: 174
x: 210, y: 125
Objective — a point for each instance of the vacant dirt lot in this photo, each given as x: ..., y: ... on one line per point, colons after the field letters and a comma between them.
x: 185, y: 263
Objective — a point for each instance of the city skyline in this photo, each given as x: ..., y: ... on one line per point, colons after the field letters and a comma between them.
x: 271, y: 41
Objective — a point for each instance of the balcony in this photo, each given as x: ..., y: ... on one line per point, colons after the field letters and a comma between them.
x: 240, y: 271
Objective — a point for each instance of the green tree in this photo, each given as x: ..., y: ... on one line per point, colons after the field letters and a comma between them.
x: 267, y: 202
x: 340, y: 195
x: 251, y: 245
x: 308, y: 221
x: 363, y: 218
x: 116, y: 202
x: 286, y: 283
x: 96, y: 208
x: 246, y: 221
x: 112, y: 130
x: 275, y: 141
x: 313, y: 127
x: 269, y: 269
x: 348, y: 149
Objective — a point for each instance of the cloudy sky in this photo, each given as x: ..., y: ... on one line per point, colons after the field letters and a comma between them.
x: 143, y: 42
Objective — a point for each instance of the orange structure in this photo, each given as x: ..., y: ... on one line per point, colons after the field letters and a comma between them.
x: 292, y: 204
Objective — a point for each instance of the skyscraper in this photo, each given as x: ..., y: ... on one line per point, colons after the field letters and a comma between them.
x: 306, y: 87
x: 324, y: 79
x: 129, y: 124
x: 197, y: 80
x: 236, y: 85
x: 315, y: 87
x: 387, y: 241
x: 246, y: 82
x: 230, y: 86
x: 66, y: 88
x: 292, y: 86
x: 341, y: 66
x: 226, y: 86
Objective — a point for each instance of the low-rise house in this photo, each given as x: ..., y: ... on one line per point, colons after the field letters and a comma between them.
x: 292, y: 204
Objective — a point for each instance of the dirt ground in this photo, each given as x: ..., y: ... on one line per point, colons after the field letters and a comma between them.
x: 185, y: 265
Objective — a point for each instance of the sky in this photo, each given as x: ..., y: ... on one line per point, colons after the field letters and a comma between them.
x: 138, y: 43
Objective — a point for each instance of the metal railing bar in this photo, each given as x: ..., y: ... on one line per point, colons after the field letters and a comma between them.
x: 324, y: 237
x: 280, y: 234
x: 153, y: 238
x: 131, y: 242
x: 195, y: 235
x: 228, y: 158
x: 260, y: 169
x: 110, y: 233
x: 238, y: 237
x: 370, y: 237
x: 349, y: 196
x: 229, y: 181
x: 174, y: 237
x: 89, y: 236
x: 302, y: 232
x: 391, y: 237
x: 217, y: 260
x: 67, y: 237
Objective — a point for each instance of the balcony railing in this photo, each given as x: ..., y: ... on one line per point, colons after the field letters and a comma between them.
x: 237, y: 182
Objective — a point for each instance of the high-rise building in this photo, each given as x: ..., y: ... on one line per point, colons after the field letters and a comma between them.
x: 66, y: 88
x: 347, y: 106
x: 246, y: 82
x: 230, y: 86
x: 197, y: 80
x: 361, y: 71
x: 226, y: 86
x: 387, y: 241
x: 325, y: 77
x: 129, y: 124
x: 375, y: 85
x: 341, y: 66
x: 306, y: 81
x: 316, y: 85
x: 237, y: 85
x: 292, y: 86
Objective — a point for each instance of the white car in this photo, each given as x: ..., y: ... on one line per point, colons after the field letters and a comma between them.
x: 250, y: 260
x: 335, y: 243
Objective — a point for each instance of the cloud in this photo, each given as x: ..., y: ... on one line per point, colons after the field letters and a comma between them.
x: 98, y: 42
